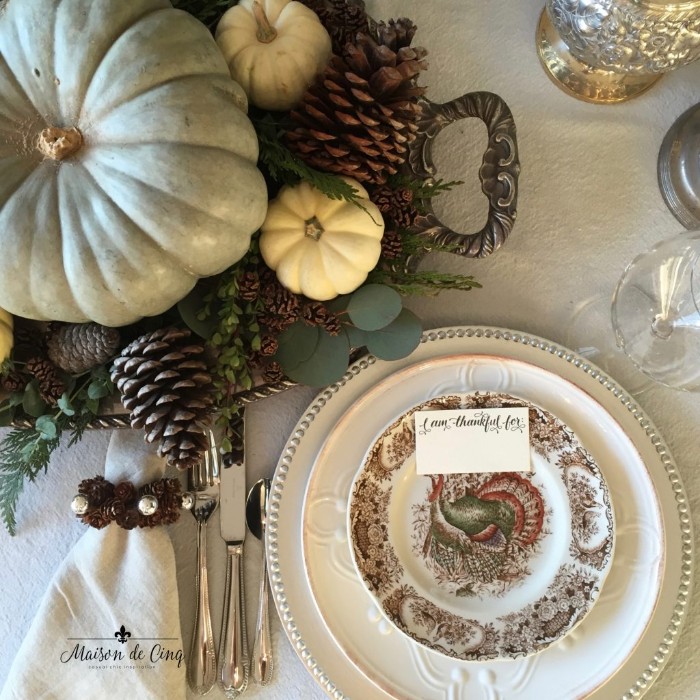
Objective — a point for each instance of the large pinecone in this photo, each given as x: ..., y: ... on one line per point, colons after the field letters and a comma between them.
x: 360, y: 116
x: 78, y: 347
x: 166, y: 386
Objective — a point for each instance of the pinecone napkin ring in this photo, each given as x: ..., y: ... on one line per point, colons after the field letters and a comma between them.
x: 100, y: 502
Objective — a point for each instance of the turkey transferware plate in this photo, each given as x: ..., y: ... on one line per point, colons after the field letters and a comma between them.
x: 488, y: 565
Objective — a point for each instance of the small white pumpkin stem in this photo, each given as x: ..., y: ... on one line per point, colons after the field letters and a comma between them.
x: 313, y: 228
x: 58, y: 143
x: 266, y: 32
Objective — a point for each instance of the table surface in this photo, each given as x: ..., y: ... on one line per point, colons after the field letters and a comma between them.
x: 588, y: 203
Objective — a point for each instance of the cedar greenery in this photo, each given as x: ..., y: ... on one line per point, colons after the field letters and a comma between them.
x: 25, y: 452
x: 286, y: 168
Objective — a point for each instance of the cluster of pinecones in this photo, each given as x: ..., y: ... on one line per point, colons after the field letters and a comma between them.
x: 118, y: 503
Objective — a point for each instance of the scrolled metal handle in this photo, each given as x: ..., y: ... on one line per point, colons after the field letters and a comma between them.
x: 498, y: 173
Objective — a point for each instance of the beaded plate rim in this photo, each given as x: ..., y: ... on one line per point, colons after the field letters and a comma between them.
x: 660, y: 657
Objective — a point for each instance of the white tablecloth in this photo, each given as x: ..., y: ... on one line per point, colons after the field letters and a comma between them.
x: 589, y: 202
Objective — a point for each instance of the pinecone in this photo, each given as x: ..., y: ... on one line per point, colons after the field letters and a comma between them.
x: 360, y: 117
x: 166, y: 387
x: 273, y: 373
x: 51, y: 386
x: 77, y: 347
x: 316, y: 314
x: 392, y: 245
x: 13, y: 382
x: 278, y: 300
x: 396, y: 205
x: 97, y: 490
x: 268, y: 345
x: 343, y: 19
x: 249, y: 286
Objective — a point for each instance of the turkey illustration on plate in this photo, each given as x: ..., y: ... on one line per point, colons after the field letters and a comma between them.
x: 486, y: 565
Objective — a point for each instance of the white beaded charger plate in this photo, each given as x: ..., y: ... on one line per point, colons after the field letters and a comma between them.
x: 335, y: 626
x: 486, y: 565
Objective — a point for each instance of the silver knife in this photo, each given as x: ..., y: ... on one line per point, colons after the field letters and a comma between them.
x: 233, y: 645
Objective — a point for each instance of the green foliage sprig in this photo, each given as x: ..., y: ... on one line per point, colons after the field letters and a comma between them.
x: 26, y: 452
x: 230, y: 326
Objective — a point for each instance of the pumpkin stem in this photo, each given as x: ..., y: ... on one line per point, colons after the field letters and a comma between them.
x: 58, y: 143
x: 313, y: 228
x: 266, y: 32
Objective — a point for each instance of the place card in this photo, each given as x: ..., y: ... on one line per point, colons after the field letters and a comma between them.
x: 468, y: 441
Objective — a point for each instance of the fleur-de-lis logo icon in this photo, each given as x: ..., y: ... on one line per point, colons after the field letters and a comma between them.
x: 122, y: 634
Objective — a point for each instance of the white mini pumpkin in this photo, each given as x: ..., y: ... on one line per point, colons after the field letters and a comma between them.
x: 6, y: 335
x: 321, y: 247
x: 127, y: 163
x: 274, y: 49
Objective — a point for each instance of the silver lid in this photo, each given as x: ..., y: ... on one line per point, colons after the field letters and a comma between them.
x: 679, y: 168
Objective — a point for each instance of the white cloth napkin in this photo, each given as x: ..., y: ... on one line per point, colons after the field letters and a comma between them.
x: 111, y: 577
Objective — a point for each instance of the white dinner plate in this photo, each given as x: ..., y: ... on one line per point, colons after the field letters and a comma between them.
x: 333, y: 623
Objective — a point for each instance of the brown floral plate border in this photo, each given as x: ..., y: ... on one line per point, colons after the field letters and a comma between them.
x: 482, y: 566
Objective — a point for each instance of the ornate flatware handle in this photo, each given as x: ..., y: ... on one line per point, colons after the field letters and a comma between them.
x: 262, y: 648
x: 233, y: 656
x: 201, y: 671
x: 499, y: 171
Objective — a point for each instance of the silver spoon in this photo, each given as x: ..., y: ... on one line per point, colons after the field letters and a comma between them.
x: 256, y: 515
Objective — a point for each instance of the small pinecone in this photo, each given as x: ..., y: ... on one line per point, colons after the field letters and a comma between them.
x: 167, y: 389
x: 360, y: 116
x: 249, y: 286
x: 273, y: 373
x: 51, y: 386
x: 13, y: 382
x: 316, y: 314
x: 278, y: 300
x: 97, y: 490
x: 396, y: 205
x: 392, y: 245
x: 77, y: 347
x: 268, y: 346
x: 343, y: 19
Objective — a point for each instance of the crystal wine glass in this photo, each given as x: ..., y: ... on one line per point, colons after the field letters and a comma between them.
x: 656, y: 314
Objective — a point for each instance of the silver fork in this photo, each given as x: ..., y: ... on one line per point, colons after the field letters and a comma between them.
x: 204, y: 483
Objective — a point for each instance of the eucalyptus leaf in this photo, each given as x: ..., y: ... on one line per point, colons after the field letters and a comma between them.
x: 398, y: 339
x: 189, y: 309
x: 374, y: 306
x: 296, y: 344
x: 64, y: 403
x: 92, y: 405
x: 98, y: 390
x: 327, y: 363
x: 46, y: 427
x: 356, y: 337
x: 16, y: 398
x: 32, y: 403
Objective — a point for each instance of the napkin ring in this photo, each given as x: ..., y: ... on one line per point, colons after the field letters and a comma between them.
x: 100, y: 502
